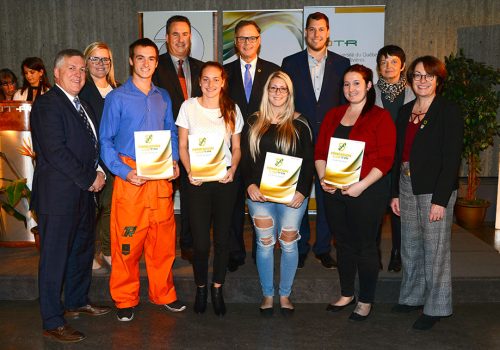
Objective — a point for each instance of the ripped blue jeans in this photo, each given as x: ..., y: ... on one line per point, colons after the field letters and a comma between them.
x: 271, y: 221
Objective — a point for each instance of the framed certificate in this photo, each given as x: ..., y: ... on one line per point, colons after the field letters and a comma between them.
x: 153, y: 154
x: 279, y: 177
x: 343, y: 165
x: 207, y: 157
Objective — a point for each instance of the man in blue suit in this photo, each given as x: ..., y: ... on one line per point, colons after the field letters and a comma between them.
x: 317, y: 80
x: 246, y: 77
x: 66, y: 178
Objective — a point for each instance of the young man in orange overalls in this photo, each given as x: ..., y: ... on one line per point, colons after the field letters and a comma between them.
x: 142, y: 215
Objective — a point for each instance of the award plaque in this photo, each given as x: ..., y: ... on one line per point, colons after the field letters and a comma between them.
x: 207, y: 158
x: 343, y: 165
x: 153, y: 154
x: 279, y: 177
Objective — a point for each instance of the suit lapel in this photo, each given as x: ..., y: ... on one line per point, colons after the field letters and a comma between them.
x: 238, y: 84
x: 330, y: 77
x: 258, y: 82
x: 306, y: 75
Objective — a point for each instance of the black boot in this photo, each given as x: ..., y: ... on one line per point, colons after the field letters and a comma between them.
x: 395, y: 263
x: 218, y: 301
x: 200, y: 301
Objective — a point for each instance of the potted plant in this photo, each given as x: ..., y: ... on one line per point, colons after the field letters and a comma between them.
x: 472, y: 86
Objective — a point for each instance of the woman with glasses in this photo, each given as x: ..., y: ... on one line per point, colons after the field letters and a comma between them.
x: 392, y: 92
x: 213, y: 114
x: 355, y: 212
x: 8, y: 82
x: 99, y: 82
x: 424, y: 190
x: 277, y: 128
x: 35, y: 80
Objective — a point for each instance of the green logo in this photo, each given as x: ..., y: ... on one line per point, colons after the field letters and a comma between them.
x: 342, y: 146
x: 129, y: 231
x: 202, y: 141
x: 279, y: 162
x: 125, y: 249
x: 148, y: 138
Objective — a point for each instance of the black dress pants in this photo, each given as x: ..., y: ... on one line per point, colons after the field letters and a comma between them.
x: 211, y: 202
x: 356, y: 221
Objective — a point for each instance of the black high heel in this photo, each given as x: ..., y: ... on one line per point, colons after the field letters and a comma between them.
x: 218, y: 301
x: 200, y: 301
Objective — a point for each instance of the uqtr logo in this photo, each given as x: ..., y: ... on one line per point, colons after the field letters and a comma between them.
x: 279, y: 162
x: 148, y: 138
x: 202, y: 141
x: 342, y: 146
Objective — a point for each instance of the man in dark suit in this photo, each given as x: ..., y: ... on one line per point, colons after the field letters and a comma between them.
x: 246, y: 78
x: 317, y: 75
x: 66, y: 178
x: 178, y: 73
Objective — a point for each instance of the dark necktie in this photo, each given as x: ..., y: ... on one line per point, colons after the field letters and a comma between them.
x: 182, y: 79
x: 86, y: 121
x: 247, y: 83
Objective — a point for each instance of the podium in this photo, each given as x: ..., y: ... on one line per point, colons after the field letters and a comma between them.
x: 15, y: 163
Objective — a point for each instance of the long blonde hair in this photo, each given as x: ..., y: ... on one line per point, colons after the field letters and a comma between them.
x: 110, y: 77
x: 287, y: 137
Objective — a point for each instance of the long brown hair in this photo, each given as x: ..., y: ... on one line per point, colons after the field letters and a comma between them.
x: 226, y: 105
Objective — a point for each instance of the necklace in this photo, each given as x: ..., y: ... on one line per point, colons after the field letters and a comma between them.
x: 416, y: 118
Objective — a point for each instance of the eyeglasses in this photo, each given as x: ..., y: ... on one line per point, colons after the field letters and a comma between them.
x: 419, y: 77
x: 97, y: 60
x: 275, y: 90
x: 7, y: 83
x: 250, y: 39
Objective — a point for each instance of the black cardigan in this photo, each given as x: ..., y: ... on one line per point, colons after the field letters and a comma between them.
x: 252, y: 170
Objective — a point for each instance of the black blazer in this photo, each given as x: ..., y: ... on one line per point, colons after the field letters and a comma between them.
x: 165, y: 76
x: 92, y: 96
x: 65, y: 164
x: 236, y: 89
x: 436, y: 151
x: 297, y: 67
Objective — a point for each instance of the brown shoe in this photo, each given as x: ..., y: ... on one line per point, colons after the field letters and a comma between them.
x: 64, y: 334
x: 92, y: 310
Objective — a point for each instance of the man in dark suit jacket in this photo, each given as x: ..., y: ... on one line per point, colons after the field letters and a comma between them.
x: 317, y: 80
x: 181, y: 83
x: 257, y: 70
x: 66, y: 178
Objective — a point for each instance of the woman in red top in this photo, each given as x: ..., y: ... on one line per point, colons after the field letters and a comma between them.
x: 355, y: 212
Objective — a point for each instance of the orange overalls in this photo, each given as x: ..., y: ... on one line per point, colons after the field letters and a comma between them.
x: 142, y: 219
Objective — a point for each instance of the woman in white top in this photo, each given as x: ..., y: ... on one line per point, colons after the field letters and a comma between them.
x: 35, y: 80
x: 213, y: 114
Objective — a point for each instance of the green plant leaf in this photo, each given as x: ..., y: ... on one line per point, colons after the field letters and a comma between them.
x: 13, y: 212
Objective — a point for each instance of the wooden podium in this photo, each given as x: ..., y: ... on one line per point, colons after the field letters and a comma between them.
x: 15, y: 139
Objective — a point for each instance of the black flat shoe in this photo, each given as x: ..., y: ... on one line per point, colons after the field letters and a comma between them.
x: 357, y: 317
x: 337, y: 308
x: 426, y: 322
x: 354, y: 316
x: 404, y: 309
x: 395, y: 262
x: 266, y: 312
x: 286, y: 312
x: 200, y: 301
x: 218, y: 301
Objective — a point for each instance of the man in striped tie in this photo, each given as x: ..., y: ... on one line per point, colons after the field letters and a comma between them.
x: 178, y: 73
